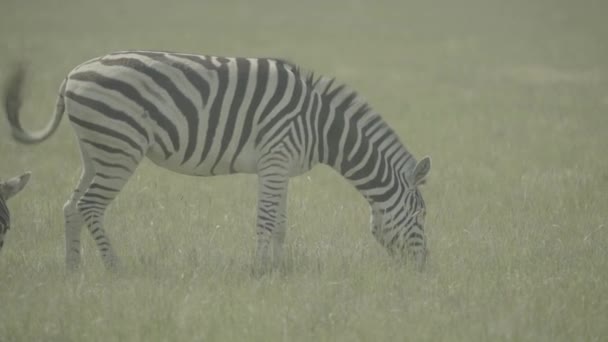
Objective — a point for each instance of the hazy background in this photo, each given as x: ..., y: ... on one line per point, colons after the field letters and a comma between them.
x: 509, y: 98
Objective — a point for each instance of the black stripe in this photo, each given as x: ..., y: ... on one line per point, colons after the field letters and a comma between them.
x: 111, y: 165
x: 102, y: 187
x: 89, y: 217
x: 296, y: 136
x: 374, y: 158
x: 183, y: 103
x: 323, y: 116
x: 352, y: 135
x: 368, y: 164
x: 103, y: 175
x: 162, y: 146
x: 279, y: 92
x: 303, y: 125
x: 400, y: 162
x: 92, y: 195
x: 372, y: 126
x: 5, y: 218
x: 82, y: 201
x: 313, y: 127
x: 399, y: 202
x: 198, y: 82
x: 4, y: 213
x: 202, y: 60
x: 415, y: 236
x: 97, y: 206
x: 290, y: 108
x: 216, y: 109
x: 390, y: 172
x: 258, y: 94
x: 336, y: 127
x: 377, y: 181
x: 132, y: 94
x: 108, y: 111
x: 328, y: 86
x: 333, y: 92
x: 364, y: 147
x: 109, y: 149
x: 109, y: 132
x: 263, y: 226
x: 405, y: 221
x: 412, y: 200
x: 242, y: 79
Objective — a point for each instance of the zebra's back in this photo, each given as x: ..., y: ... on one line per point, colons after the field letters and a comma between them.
x: 199, y: 115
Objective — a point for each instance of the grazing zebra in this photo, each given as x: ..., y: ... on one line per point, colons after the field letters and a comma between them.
x: 208, y: 115
x: 9, y: 189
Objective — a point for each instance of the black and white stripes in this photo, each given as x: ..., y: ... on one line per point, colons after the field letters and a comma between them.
x: 207, y: 115
x: 9, y: 189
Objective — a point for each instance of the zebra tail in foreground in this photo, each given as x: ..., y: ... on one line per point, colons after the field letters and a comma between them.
x: 208, y: 115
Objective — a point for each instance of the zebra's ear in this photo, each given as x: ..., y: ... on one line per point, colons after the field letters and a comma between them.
x: 422, y: 170
x: 12, y: 186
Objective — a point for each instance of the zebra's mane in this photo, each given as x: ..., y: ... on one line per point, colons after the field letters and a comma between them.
x: 328, y: 86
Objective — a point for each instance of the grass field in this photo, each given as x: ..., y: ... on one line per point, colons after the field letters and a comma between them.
x: 510, y: 99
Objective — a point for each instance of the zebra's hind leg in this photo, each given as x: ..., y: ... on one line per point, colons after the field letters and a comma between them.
x: 73, y: 220
x: 110, y: 170
x: 273, y: 183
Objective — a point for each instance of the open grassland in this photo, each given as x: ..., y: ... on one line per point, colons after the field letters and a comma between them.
x: 510, y: 98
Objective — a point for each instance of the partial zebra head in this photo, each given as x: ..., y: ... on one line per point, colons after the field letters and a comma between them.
x: 400, y: 227
x: 9, y: 189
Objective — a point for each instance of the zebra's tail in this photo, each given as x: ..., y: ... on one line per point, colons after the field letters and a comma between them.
x: 12, y: 104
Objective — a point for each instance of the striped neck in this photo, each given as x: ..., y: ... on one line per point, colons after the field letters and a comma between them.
x: 360, y: 145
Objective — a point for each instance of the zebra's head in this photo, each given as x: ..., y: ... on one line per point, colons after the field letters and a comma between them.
x: 9, y: 189
x: 401, y: 227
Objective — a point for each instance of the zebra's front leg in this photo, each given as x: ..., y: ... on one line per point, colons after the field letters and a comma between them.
x: 273, y: 182
x: 278, y: 234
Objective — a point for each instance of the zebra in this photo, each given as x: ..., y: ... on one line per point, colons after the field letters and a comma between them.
x: 211, y: 115
x: 8, y: 189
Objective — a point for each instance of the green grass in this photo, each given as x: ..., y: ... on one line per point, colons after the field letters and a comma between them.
x: 510, y: 98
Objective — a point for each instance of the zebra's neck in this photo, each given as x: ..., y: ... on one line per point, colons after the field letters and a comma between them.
x: 356, y: 142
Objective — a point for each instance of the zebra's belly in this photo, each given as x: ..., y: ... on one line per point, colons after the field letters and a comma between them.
x: 214, y: 164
